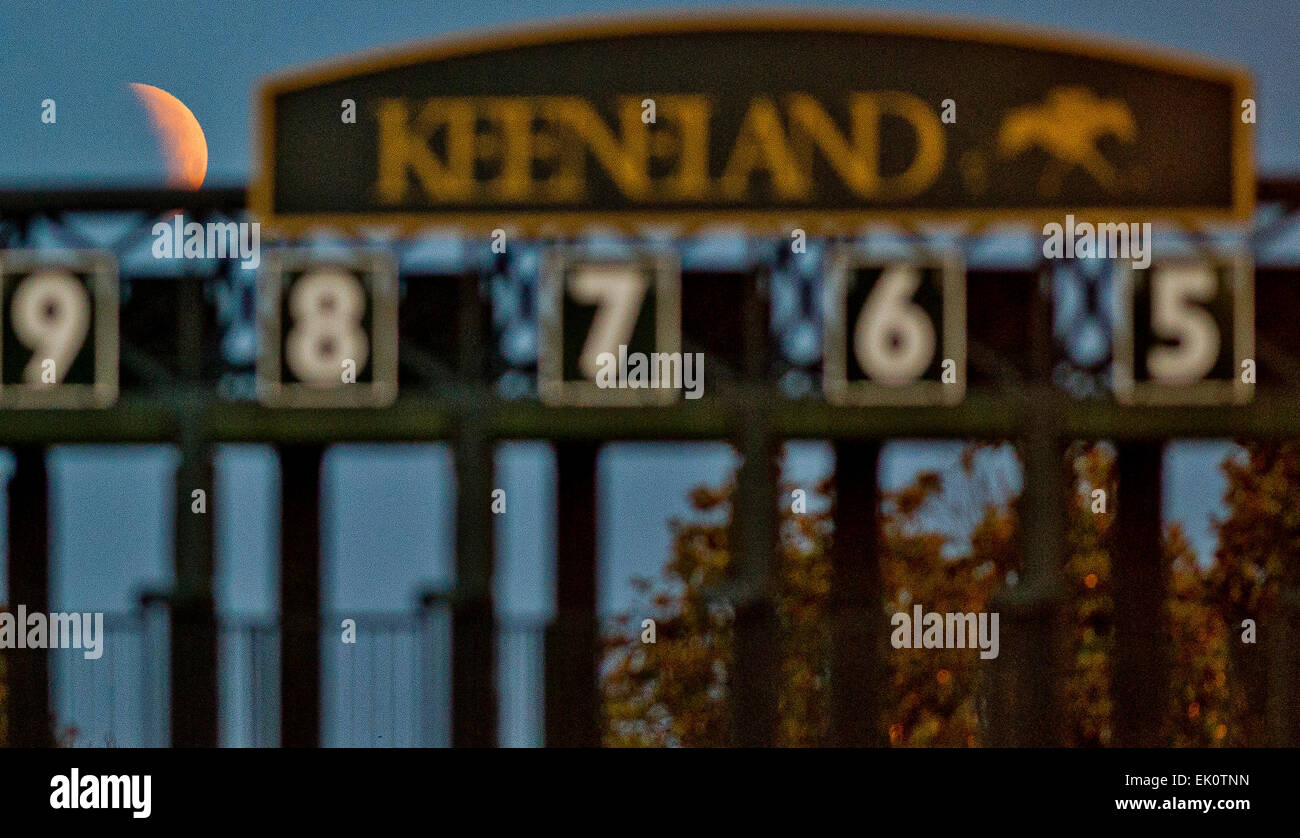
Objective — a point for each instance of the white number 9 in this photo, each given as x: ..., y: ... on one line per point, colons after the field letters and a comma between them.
x: 894, y: 339
x: 326, y: 307
x: 51, y: 316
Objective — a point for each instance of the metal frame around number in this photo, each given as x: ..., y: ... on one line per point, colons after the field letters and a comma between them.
x: 378, y: 273
x: 102, y: 268
x: 835, y: 384
x: 552, y: 388
x: 1129, y: 391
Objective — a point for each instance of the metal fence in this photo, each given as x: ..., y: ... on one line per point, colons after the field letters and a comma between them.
x: 435, y: 677
x: 389, y: 688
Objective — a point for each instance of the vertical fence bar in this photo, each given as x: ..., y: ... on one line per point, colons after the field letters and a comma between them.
x: 572, y: 699
x: 474, y: 705
x: 434, y: 688
x: 473, y: 640
x: 1283, y: 701
x: 31, y: 723
x: 193, y: 621
x: 1033, y: 620
x: 858, y: 622
x: 754, y: 689
x: 155, y: 670
x: 300, y: 676
x: 1023, y: 698
x: 1139, y: 681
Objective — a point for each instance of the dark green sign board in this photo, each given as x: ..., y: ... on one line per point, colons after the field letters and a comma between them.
x: 817, y: 121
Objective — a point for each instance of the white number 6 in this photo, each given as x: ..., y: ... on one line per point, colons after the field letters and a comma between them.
x: 894, y: 339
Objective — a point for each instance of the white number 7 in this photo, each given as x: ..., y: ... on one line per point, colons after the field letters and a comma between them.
x: 617, y: 292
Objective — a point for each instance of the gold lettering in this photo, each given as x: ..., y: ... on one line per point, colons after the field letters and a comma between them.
x: 687, y: 142
x: 521, y: 149
x: 567, y: 179
x: 626, y: 161
x: 930, y: 144
x: 513, y: 120
x: 858, y: 163
x: 761, y: 145
x: 404, y: 150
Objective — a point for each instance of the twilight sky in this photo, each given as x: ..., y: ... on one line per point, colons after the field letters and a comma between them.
x: 388, y: 510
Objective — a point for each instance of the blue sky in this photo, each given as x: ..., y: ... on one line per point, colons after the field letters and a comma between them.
x: 389, y: 509
x: 82, y: 53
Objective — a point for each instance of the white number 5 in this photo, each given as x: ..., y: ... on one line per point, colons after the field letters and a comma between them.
x: 1175, y: 290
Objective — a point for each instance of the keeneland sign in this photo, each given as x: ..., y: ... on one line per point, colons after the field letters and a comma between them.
x: 535, y: 149
x: 820, y: 120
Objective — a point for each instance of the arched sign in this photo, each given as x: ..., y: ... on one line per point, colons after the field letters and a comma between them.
x: 827, y: 120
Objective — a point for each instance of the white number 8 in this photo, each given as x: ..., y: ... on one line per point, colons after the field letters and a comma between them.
x: 326, y: 307
x: 51, y: 316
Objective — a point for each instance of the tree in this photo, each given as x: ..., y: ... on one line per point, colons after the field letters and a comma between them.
x: 1258, y: 543
x: 673, y: 692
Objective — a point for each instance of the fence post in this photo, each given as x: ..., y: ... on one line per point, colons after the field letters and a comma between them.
x: 858, y: 622
x: 1139, y: 681
x: 31, y: 720
x: 756, y: 654
x: 1283, y: 701
x: 193, y: 621
x: 474, y: 693
x: 754, y: 690
x: 1023, y: 698
x: 434, y: 713
x: 473, y: 636
x: 156, y: 688
x: 572, y: 697
x: 300, y: 687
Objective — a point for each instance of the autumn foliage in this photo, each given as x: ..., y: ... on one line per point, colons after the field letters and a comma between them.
x: 673, y: 692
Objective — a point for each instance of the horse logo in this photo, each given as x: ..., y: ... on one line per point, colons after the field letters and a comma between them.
x: 1068, y: 126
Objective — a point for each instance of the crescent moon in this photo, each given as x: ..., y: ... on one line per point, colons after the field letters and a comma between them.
x: 180, y: 137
